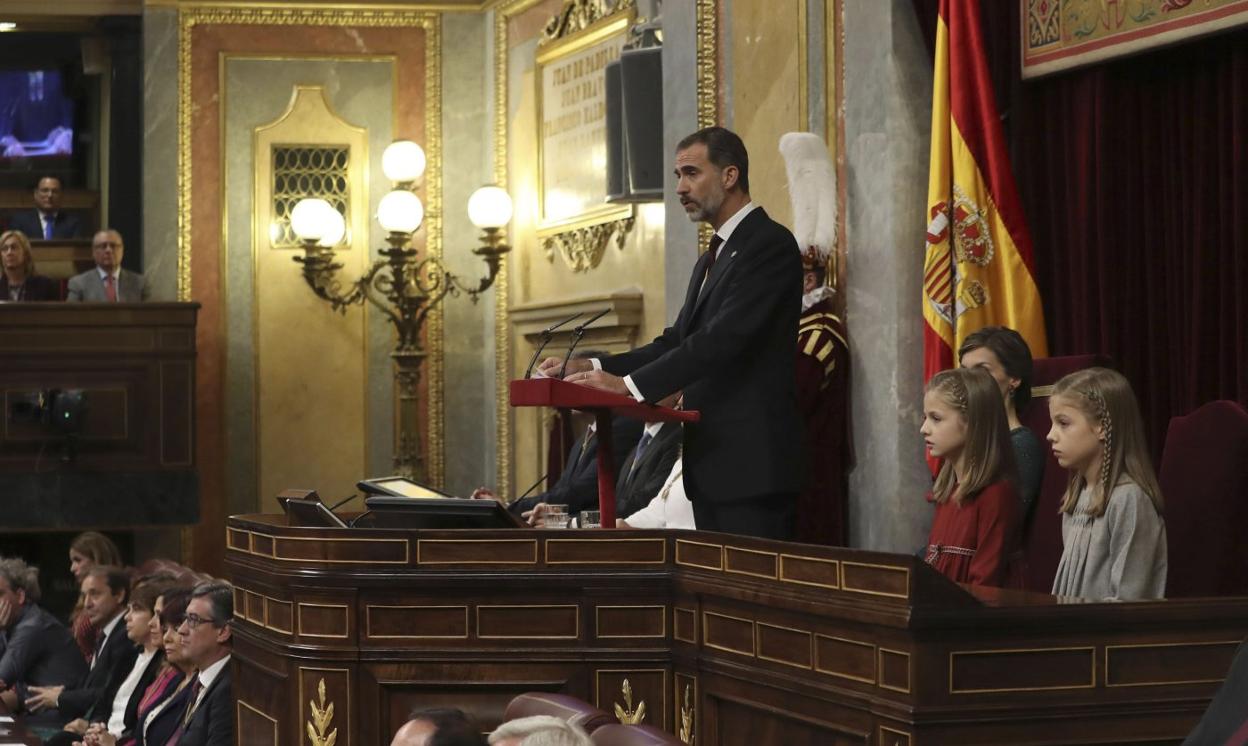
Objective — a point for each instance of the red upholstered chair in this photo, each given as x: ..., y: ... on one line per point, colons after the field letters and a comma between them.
x: 633, y: 735
x: 1042, y: 539
x: 562, y: 706
x: 1204, y: 481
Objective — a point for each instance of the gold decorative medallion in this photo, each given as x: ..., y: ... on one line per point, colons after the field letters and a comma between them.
x: 322, y: 717
x: 583, y: 248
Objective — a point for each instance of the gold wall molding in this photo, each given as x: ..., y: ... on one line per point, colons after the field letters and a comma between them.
x: 578, y: 15
x: 582, y: 248
x: 370, y: 16
x: 626, y: 714
x: 322, y: 718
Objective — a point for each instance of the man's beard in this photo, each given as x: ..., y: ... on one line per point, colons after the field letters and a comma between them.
x: 708, y: 208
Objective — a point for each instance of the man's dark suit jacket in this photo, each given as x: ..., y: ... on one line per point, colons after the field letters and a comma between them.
x: 640, y: 480
x: 101, y: 683
x: 64, y: 225
x: 212, y: 724
x: 731, y: 351
x: 35, y: 287
x: 40, y: 651
x: 577, y: 486
x: 102, y: 710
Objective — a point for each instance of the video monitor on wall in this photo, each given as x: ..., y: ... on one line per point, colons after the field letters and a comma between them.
x: 36, y: 118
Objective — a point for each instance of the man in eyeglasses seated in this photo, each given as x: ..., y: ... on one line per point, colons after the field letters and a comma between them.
x: 206, y: 643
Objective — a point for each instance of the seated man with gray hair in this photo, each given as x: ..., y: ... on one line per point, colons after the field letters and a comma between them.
x: 539, y: 730
x: 38, y: 649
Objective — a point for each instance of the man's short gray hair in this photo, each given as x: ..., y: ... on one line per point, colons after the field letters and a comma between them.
x: 21, y: 577
x: 542, y: 730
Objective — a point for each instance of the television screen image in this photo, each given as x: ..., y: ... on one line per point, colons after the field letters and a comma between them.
x: 36, y: 116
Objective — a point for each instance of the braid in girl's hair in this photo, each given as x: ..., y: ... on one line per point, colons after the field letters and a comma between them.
x: 1097, y: 400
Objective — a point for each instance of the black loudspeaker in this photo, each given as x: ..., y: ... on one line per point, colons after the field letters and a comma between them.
x: 639, y: 140
x: 615, y: 133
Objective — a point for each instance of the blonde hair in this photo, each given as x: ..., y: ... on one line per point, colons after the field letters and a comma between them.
x: 1105, y: 397
x: 987, y: 454
x: 28, y: 266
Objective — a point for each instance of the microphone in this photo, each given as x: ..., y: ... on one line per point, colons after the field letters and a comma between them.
x: 546, y: 337
x: 342, y: 502
x: 577, y: 333
x: 530, y: 489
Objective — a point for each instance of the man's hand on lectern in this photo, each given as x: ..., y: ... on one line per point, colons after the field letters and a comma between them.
x: 600, y: 379
x: 483, y: 493
x: 551, y: 365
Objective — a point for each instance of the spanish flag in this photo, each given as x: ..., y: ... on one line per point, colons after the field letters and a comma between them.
x: 979, y: 268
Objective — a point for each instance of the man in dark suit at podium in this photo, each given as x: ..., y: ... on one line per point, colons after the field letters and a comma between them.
x: 730, y: 350
x: 47, y: 221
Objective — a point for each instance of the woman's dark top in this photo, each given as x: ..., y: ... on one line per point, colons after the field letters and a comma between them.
x: 1029, y: 457
x: 36, y: 287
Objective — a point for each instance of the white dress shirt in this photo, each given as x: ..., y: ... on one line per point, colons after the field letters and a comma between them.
x: 725, y: 233
x: 104, y: 633
x: 670, y: 508
x: 117, y: 721
x: 206, y: 677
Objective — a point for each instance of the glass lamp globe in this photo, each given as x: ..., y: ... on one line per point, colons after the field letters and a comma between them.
x: 400, y: 211
x: 489, y: 207
x: 403, y: 161
x: 335, y: 226
x: 308, y: 219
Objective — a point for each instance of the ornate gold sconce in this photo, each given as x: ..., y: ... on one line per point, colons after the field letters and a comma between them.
x: 404, y: 285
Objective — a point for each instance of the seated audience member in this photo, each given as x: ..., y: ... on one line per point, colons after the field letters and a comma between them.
x: 642, y: 474
x: 47, y: 221
x: 19, y: 281
x: 88, y: 549
x: 164, y: 704
x: 38, y: 649
x: 539, y: 730
x: 975, y: 533
x: 669, y: 509
x: 120, y: 714
x: 107, y: 282
x: 577, y: 486
x: 1113, y: 533
x: 438, y: 727
x: 1003, y: 354
x: 206, y: 642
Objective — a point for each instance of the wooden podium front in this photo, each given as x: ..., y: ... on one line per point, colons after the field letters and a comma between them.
x: 752, y: 642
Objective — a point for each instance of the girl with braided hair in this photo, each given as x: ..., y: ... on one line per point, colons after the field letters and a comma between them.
x: 975, y: 533
x: 1113, y: 534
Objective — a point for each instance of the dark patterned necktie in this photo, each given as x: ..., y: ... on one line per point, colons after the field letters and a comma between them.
x: 714, y: 252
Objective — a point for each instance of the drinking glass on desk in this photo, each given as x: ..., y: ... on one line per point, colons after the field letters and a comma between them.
x: 554, y: 516
x: 589, y: 519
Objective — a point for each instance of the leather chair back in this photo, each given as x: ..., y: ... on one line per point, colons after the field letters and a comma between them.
x: 562, y: 706
x: 633, y: 735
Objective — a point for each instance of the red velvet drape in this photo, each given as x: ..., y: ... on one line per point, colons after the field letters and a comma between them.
x: 1134, y: 177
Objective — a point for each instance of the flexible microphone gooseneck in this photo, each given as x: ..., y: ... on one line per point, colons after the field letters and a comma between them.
x: 577, y: 333
x: 546, y: 336
x: 342, y: 502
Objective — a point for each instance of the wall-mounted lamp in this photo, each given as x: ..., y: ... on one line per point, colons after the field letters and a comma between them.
x: 405, y: 286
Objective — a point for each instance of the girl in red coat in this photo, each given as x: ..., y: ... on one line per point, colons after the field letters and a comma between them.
x: 975, y: 534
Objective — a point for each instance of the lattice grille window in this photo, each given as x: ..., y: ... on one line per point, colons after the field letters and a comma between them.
x: 301, y: 171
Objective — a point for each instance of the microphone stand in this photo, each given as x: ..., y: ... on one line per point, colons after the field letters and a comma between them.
x: 577, y: 333
x: 547, y: 335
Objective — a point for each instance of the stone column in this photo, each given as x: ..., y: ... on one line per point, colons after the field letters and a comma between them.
x: 680, y: 118
x: 888, y: 92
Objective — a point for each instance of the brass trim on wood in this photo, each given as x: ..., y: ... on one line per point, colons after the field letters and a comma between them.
x: 368, y: 623
x: 331, y: 542
x: 662, y: 622
x: 347, y: 672
x: 879, y: 670
x: 238, y: 718
x: 728, y: 550
x: 346, y: 620
x: 677, y: 611
x: 574, y: 607
x: 894, y: 742
x: 893, y: 568
x: 1233, y: 644
x: 686, y: 542
x: 875, y: 663
x: 758, y: 645
x: 706, y: 639
x: 607, y: 542
x: 421, y: 542
x: 1091, y: 677
x: 836, y: 571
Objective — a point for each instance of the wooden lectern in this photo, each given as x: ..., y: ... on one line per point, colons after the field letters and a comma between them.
x: 553, y: 392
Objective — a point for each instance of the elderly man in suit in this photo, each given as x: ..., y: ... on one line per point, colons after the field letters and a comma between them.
x: 107, y: 282
x: 47, y: 221
x: 38, y: 649
x: 730, y: 350
x: 643, y: 473
x: 207, y: 643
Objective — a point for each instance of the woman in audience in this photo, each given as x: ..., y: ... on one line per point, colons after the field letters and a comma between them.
x: 165, y: 700
x: 975, y: 533
x: 125, y: 704
x: 1113, y: 534
x: 18, y: 281
x: 87, y: 550
x: 1003, y: 354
